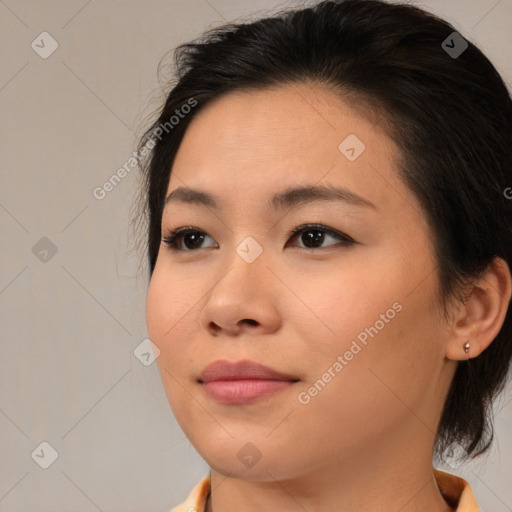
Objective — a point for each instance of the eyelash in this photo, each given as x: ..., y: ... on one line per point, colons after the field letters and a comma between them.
x: 172, y: 238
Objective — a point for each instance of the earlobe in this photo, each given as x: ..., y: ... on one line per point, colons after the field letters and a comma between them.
x: 461, y: 353
x: 480, y: 318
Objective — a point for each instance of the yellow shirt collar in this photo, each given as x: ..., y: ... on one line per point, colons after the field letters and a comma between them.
x: 456, y: 491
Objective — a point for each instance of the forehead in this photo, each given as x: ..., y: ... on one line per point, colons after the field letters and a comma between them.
x: 253, y: 143
x: 294, y: 119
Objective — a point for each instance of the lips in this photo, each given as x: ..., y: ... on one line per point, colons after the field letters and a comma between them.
x: 242, y: 382
x: 224, y: 370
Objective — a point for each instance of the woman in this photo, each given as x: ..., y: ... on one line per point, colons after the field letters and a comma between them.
x: 329, y: 246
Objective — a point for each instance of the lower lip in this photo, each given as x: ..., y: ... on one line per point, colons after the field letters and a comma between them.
x: 243, y: 391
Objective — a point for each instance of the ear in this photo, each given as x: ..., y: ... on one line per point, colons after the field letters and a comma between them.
x: 480, y: 318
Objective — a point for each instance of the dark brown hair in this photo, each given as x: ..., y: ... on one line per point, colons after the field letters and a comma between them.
x: 450, y: 115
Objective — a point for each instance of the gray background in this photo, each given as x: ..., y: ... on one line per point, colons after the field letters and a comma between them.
x: 71, y: 320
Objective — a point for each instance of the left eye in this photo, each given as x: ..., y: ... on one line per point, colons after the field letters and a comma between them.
x: 315, y: 233
x: 311, y: 235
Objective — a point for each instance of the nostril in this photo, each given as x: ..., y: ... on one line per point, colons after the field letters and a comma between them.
x: 215, y: 328
x: 250, y: 321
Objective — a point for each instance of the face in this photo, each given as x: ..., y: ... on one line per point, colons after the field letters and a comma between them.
x: 346, y: 311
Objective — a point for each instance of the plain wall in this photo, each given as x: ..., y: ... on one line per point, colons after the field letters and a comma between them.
x: 71, y: 320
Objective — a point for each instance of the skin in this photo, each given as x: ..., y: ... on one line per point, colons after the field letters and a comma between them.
x: 365, y: 441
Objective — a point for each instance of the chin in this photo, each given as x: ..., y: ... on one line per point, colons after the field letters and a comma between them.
x: 260, y: 460
x: 231, y: 467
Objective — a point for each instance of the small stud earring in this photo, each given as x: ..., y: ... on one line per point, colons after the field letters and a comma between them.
x: 466, y: 347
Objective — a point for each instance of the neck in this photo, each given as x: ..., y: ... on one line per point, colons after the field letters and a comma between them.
x: 382, y: 481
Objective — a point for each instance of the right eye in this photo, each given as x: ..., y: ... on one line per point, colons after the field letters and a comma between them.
x: 188, y: 235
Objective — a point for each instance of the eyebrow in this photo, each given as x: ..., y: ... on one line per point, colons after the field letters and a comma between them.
x: 287, y: 199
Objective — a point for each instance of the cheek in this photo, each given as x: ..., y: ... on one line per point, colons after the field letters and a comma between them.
x: 387, y: 376
x: 341, y: 302
x: 370, y: 315
x: 159, y: 302
x: 169, y: 312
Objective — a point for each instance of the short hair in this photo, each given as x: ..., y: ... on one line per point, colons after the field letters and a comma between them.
x: 450, y: 115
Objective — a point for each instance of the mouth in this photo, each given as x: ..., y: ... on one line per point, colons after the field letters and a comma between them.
x: 242, y: 382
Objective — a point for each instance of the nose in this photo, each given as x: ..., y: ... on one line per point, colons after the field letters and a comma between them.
x: 242, y: 301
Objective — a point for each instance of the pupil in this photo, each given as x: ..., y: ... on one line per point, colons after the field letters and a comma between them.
x: 313, y: 239
x: 198, y: 239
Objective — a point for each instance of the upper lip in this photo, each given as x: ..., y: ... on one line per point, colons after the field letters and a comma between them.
x: 226, y: 370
